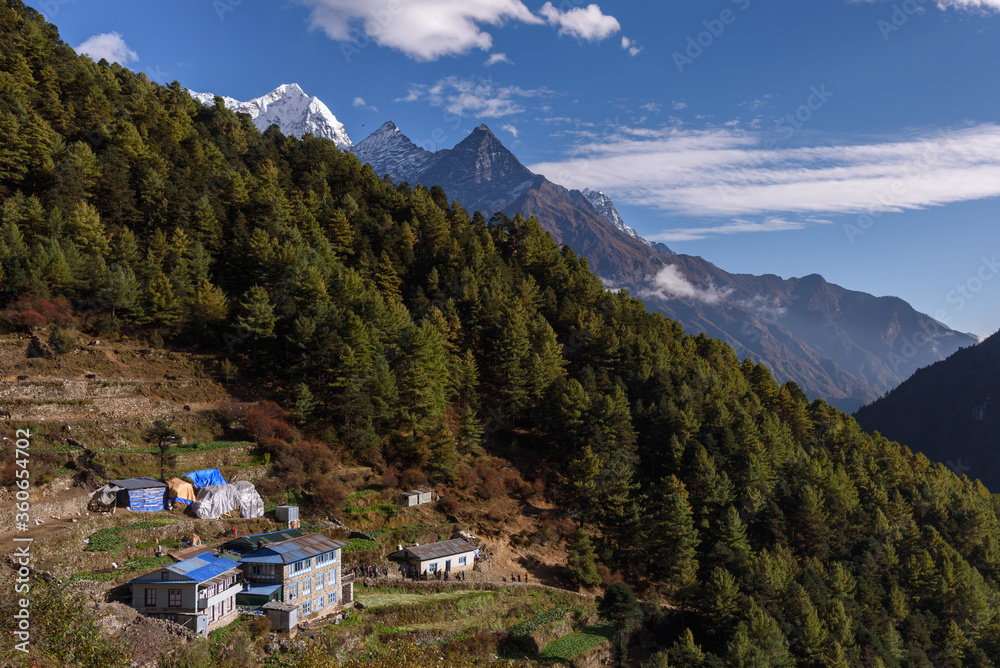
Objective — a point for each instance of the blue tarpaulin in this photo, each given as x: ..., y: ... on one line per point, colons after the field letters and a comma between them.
x: 206, y: 478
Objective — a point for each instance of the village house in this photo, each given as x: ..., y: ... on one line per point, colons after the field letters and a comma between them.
x: 448, y: 556
x: 304, y: 572
x: 199, y: 593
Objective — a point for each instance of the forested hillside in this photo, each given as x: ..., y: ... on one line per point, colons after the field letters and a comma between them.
x: 404, y: 332
x: 948, y: 412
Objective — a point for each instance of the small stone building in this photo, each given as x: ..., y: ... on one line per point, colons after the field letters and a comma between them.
x: 448, y: 556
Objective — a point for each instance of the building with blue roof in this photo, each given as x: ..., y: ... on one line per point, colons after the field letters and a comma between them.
x: 199, y: 593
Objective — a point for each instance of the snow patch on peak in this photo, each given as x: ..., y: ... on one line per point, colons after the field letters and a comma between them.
x: 604, y: 206
x: 291, y: 109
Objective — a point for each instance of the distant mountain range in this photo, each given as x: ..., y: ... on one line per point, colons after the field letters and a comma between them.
x: 844, y: 346
x: 949, y: 411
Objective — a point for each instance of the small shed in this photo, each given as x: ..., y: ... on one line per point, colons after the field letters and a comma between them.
x: 416, y: 497
x: 284, y: 616
x: 286, y: 513
x: 141, y: 494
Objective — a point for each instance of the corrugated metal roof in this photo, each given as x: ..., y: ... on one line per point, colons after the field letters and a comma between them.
x: 261, y: 589
x: 293, y: 550
x: 203, y: 567
x: 445, y: 548
x: 138, y: 483
x: 196, y: 569
x: 245, y: 544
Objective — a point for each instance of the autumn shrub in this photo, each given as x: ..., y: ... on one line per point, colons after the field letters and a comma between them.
x: 267, y: 420
x: 390, y: 478
x: 449, y: 504
x: 414, y: 478
x: 30, y: 311
x: 328, y: 493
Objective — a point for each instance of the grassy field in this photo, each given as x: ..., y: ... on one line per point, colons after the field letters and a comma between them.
x: 461, y: 623
x: 565, y: 648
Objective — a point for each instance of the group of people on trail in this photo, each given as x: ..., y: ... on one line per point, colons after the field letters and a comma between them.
x: 367, y: 571
x: 516, y: 577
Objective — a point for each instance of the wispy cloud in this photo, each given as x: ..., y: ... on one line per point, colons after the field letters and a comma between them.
x: 586, y: 23
x: 507, y: 127
x: 631, y: 46
x: 109, y: 45
x: 737, y: 226
x: 670, y: 283
x: 496, y: 58
x: 737, y: 175
x: 422, y: 29
x: 679, y: 106
x: 480, y: 98
x: 360, y: 103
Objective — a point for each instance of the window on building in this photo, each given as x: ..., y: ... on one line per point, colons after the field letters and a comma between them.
x: 324, y: 558
x: 432, y: 567
x: 332, y: 575
x: 321, y: 581
x: 262, y: 571
x: 320, y: 602
x: 174, y: 598
x: 293, y: 591
x: 307, y: 608
x: 211, y: 613
x: 231, y: 599
x: 331, y: 598
x: 171, y: 617
x: 462, y: 561
x: 164, y: 575
x: 302, y: 566
x: 151, y: 597
x: 307, y: 586
x: 222, y: 609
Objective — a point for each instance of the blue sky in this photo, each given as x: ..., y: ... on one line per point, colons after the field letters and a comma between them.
x: 859, y: 140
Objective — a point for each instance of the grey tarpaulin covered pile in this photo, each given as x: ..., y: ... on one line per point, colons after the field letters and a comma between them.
x: 106, y: 495
x: 215, y: 501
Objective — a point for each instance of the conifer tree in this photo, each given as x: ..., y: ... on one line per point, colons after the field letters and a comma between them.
x: 581, y: 560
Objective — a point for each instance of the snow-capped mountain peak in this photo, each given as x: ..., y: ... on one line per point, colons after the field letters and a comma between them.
x: 291, y: 109
x: 606, y: 208
x: 391, y: 152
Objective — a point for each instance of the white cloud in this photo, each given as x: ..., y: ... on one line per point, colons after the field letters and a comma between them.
x: 109, y: 45
x: 587, y: 23
x: 631, y: 46
x: 510, y: 128
x: 669, y: 283
x: 360, y: 103
x: 496, y: 58
x: 679, y: 106
x: 481, y: 98
x: 422, y: 29
x: 652, y: 107
x: 736, y: 174
x: 969, y: 5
